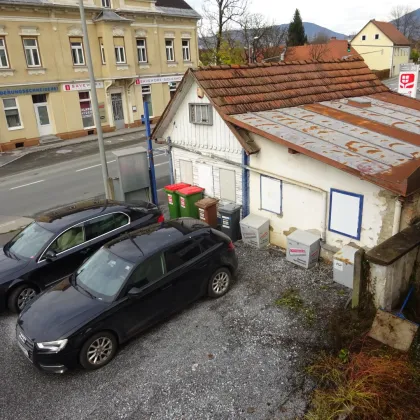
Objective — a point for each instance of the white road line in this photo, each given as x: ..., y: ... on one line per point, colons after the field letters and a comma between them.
x: 93, y: 166
x: 25, y: 185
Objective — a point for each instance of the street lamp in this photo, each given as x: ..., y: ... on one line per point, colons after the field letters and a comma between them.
x: 94, y: 99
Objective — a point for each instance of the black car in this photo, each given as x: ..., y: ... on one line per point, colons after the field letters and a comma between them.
x: 124, y: 288
x: 57, y: 243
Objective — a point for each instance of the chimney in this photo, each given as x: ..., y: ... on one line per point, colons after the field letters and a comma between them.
x: 333, y: 38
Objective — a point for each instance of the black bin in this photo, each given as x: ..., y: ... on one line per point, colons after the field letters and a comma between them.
x: 231, y: 215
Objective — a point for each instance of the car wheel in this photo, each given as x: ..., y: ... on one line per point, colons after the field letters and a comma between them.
x: 220, y: 282
x: 20, y: 296
x: 98, y: 350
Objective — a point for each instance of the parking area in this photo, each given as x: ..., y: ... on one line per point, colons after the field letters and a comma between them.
x: 238, y: 357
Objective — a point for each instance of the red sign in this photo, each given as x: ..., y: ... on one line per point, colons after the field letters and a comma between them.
x: 170, y: 201
x: 407, y: 80
x: 182, y: 200
x: 297, y: 251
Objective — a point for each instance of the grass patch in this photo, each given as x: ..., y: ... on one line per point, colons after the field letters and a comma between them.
x: 292, y: 300
x: 373, y: 382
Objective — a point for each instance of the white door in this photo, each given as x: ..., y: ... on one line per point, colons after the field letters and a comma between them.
x: 43, y: 119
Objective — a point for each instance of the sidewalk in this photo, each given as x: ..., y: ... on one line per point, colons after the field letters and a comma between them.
x: 11, y: 156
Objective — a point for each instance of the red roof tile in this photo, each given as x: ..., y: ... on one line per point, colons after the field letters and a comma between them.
x: 391, y: 32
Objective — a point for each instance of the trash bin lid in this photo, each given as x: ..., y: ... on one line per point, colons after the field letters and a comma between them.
x: 190, y: 190
x: 176, y: 187
x: 205, y: 203
x: 229, y: 208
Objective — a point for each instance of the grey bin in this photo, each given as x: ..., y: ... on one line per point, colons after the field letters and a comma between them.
x: 303, y: 248
x: 231, y: 215
x: 343, y: 266
x: 255, y: 230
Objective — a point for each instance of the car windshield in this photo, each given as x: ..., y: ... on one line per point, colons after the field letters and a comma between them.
x: 103, y: 275
x: 29, y: 242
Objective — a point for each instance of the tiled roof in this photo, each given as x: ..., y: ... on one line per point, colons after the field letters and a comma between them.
x: 175, y: 11
x: 335, y: 49
x: 237, y: 89
x: 176, y: 4
x: 391, y: 32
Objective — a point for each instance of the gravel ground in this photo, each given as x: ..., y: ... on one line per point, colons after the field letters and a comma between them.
x: 238, y: 357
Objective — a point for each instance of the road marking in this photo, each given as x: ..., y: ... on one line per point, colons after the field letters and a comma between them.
x: 94, y: 166
x: 25, y: 185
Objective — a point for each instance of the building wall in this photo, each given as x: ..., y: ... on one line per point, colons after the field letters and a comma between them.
x: 53, y: 26
x: 304, y: 208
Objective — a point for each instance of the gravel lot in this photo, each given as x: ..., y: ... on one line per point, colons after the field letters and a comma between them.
x: 239, y: 357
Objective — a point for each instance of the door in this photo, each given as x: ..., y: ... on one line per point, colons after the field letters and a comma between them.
x: 43, y: 119
x: 117, y: 110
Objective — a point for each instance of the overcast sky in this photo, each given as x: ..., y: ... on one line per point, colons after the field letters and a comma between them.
x: 339, y: 16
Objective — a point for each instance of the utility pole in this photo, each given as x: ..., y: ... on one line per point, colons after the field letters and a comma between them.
x: 150, y: 153
x: 94, y: 99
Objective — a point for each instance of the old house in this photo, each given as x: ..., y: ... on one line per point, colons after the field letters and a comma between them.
x: 320, y: 146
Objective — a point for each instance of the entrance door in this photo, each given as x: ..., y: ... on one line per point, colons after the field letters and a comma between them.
x: 42, y: 114
x: 117, y: 110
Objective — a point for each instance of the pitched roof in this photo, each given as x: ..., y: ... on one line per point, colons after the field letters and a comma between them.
x: 257, y: 87
x: 176, y: 4
x: 335, y: 49
x: 391, y: 32
x: 107, y: 15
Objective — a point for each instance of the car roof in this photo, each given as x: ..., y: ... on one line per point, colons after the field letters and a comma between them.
x: 58, y: 219
x: 140, y: 244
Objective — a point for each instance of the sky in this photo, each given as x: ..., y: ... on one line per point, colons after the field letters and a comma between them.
x: 344, y: 17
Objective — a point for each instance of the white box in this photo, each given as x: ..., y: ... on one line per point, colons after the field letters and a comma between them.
x: 343, y: 265
x: 303, y: 248
x: 255, y: 230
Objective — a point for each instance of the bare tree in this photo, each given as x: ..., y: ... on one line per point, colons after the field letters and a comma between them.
x: 318, y: 51
x: 320, y: 38
x: 406, y: 21
x: 218, y: 16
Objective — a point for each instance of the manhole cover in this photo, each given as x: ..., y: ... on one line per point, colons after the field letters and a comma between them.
x: 64, y: 151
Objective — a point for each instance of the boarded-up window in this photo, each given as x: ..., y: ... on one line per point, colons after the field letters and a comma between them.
x: 186, y: 171
x: 227, y: 184
x: 205, y: 178
x: 271, y: 194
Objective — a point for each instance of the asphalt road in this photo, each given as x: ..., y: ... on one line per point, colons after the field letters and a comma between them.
x: 32, y: 191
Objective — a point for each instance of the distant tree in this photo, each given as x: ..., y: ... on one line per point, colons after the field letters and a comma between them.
x: 296, y: 33
x: 414, y: 56
x: 406, y: 21
x: 318, y: 51
x: 320, y: 38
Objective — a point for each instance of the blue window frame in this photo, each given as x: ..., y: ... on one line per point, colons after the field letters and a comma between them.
x: 345, y: 216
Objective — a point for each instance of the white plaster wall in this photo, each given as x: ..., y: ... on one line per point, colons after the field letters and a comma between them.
x: 303, y: 208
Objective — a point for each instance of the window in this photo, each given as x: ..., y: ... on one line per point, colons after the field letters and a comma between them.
x: 201, y: 114
x: 69, y: 239
x: 141, y: 51
x: 104, y: 224
x: 363, y: 37
x: 11, y: 111
x: 77, y: 54
x: 102, y: 49
x: 186, y: 50
x: 39, y: 99
x: 147, y: 97
x: 169, y: 45
x: 106, y: 4
x: 172, y: 89
x: 227, y: 184
x: 148, y: 272
x: 376, y: 36
x: 271, y: 194
x: 119, y: 50
x: 86, y: 110
x: 4, y: 60
x: 186, y: 171
x: 181, y: 254
x: 31, y: 52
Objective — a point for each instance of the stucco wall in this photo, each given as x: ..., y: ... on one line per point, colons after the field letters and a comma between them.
x: 304, y: 209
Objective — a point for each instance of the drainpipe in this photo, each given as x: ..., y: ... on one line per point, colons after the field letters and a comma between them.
x: 171, y: 165
x: 397, y: 216
x: 245, y: 184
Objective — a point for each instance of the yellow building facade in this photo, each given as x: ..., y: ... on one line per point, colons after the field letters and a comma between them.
x: 140, y: 51
x: 382, y: 46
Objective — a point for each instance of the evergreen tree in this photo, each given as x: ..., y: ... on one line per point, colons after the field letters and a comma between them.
x: 296, y: 35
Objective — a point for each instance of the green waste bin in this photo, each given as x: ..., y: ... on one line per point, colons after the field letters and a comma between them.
x: 173, y: 198
x: 187, y: 198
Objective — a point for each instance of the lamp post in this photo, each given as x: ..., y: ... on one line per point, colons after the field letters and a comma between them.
x: 94, y: 100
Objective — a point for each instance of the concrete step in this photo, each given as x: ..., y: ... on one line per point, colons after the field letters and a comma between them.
x: 51, y: 138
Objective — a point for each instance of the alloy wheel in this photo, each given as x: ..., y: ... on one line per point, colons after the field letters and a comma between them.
x: 99, y: 351
x: 25, y: 296
x: 220, y: 282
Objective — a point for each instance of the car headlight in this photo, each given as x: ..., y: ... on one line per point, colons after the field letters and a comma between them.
x: 54, y: 346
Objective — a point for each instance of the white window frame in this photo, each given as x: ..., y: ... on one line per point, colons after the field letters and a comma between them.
x: 4, y: 49
x: 196, y: 114
x: 31, y: 50
x: 186, y: 51
x: 141, y: 50
x: 120, y: 58
x: 169, y: 50
x: 107, y: 4
x: 19, y: 127
x: 365, y: 37
x: 102, y: 50
x: 76, y: 49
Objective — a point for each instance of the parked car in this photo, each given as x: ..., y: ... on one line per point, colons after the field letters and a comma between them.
x: 124, y: 288
x: 58, y: 242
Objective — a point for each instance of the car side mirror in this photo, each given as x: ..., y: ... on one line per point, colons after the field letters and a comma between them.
x: 50, y: 255
x: 134, y: 292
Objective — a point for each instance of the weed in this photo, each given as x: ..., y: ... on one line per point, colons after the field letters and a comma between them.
x: 292, y: 300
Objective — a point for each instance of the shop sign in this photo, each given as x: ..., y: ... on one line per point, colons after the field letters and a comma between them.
x: 408, y: 80
x: 159, y: 79
x: 68, y: 87
x: 28, y: 90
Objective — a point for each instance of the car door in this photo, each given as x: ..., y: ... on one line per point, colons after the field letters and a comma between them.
x: 153, y: 301
x: 69, y: 254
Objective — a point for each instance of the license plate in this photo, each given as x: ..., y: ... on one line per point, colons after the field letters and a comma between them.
x: 25, y: 352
